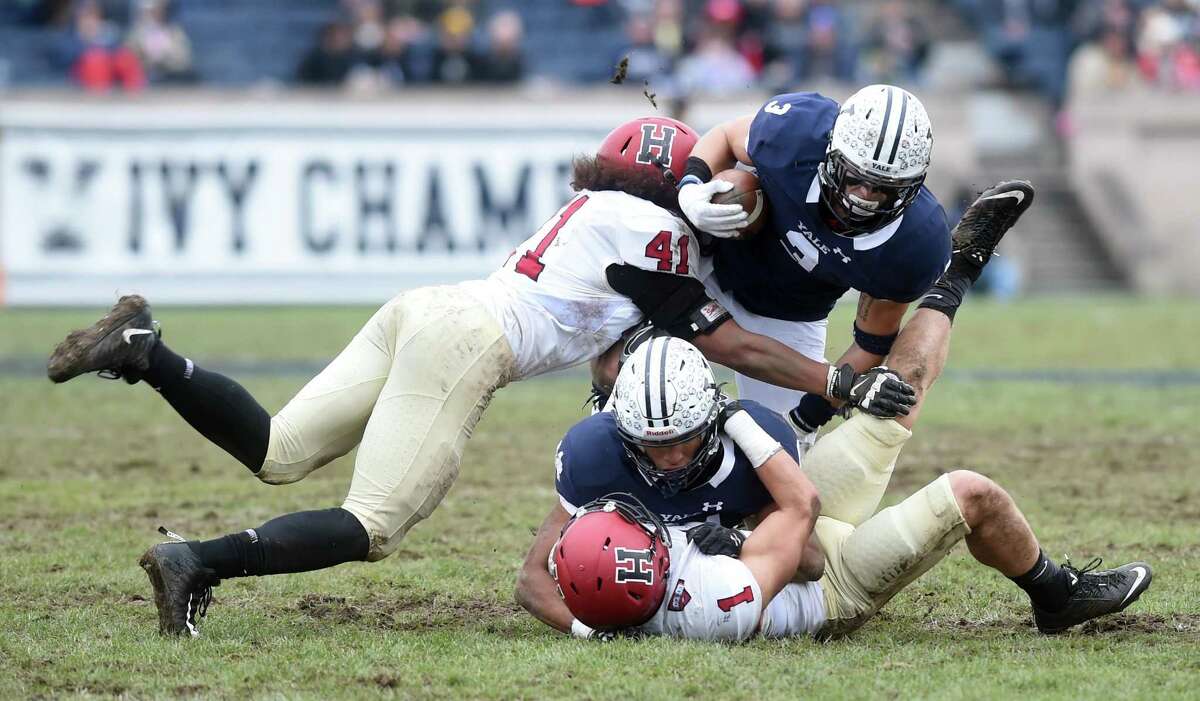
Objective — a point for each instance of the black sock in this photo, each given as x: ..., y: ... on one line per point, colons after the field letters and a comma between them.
x: 947, y: 293
x: 299, y: 542
x: 1047, y: 585
x: 216, y: 406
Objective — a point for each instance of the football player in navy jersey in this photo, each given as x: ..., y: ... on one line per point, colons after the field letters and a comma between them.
x: 848, y: 209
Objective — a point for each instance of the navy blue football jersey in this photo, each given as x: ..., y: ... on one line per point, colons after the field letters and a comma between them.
x: 591, y: 462
x: 797, y: 267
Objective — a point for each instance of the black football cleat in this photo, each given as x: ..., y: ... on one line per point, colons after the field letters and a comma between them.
x: 182, y: 587
x: 118, y: 345
x: 987, y: 220
x: 1095, y: 593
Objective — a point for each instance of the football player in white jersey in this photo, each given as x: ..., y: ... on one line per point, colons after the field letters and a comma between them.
x: 613, y: 567
x: 412, y: 384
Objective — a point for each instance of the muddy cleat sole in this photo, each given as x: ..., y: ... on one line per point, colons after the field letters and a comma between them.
x: 182, y: 587
x: 1096, y: 593
x: 988, y: 219
x: 118, y: 345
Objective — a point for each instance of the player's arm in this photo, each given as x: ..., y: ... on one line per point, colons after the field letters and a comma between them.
x: 725, y: 144
x: 812, y: 560
x: 536, y: 591
x: 876, y: 326
x: 717, y: 150
x: 775, y: 548
x: 762, y: 358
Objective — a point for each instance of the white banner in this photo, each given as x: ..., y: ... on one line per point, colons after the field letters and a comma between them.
x: 302, y: 211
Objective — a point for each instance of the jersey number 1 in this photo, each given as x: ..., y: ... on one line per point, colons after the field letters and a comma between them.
x: 530, y: 265
x: 659, y: 248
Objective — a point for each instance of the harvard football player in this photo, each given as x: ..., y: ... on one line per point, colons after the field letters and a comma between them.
x: 411, y: 386
x: 848, y: 209
x: 674, y: 450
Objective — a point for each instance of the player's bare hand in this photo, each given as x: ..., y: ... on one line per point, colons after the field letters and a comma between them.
x: 720, y: 220
x: 879, y: 391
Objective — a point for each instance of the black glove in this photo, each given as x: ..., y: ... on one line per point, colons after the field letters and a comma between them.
x: 813, y: 412
x: 715, y: 539
x: 878, y: 391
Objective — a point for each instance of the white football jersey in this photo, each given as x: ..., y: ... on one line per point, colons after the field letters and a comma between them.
x: 552, y: 297
x: 714, y: 597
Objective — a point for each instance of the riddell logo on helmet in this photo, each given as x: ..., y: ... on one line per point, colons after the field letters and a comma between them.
x: 660, y: 432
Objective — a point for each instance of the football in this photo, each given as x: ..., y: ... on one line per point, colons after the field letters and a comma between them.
x: 746, y: 193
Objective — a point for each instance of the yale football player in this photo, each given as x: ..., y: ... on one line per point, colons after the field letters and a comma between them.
x: 412, y: 384
x: 848, y: 209
x: 610, y: 562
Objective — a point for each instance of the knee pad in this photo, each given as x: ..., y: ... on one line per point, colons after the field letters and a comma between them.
x: 852, y: 465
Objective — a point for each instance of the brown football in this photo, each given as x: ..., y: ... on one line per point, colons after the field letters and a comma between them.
x: 746, y: 193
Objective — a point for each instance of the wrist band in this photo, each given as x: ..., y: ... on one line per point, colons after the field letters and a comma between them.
x: 830, y: 380
x: 757, y: 445
x: 579, y: 629
x: 696, y: 171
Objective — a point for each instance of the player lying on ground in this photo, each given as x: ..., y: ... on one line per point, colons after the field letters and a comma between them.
x: 847, y: 209
x: 411, y: 386
x: 614, y: 574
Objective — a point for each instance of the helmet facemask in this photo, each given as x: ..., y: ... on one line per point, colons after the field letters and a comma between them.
x: 855, y: 215
x: 665, y: 395
x: 673, y: 481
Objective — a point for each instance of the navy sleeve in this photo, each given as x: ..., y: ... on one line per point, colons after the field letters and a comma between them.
x: 790, y: 128
x: 775, y: 427
x: 567, y: 465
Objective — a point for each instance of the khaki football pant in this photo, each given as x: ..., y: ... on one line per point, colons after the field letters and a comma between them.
x: 851, y: 466
x: 410, y: 387
x: 868, y: 565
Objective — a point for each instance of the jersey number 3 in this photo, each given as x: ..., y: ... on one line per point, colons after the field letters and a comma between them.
x: 530, y: 265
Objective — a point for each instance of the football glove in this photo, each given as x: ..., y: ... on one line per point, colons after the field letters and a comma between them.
x: 721, y: 220
x: 715, y: 539
x: 878, y: 391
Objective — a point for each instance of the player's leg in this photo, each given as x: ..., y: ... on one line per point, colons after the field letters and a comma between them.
x: 449, y: 356
x: 324, y: 421
x: 449, y: 361
x: 1061, y: 597
x: 868, y: 565
x: 125, y: 343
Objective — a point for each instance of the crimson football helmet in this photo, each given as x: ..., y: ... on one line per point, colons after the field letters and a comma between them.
x: 611, y: 562
x: 660, y: 143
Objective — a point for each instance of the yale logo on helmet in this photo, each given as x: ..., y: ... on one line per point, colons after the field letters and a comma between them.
x: 662, y: 143
x: 634, y: 566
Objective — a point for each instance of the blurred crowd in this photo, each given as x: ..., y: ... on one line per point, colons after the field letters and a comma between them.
x: 720, y: 46
x: 388, y: 43
x: 105, y: 44
x: 1055, y: 48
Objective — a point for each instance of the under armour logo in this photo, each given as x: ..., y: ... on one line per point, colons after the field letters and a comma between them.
x: 712, y: 507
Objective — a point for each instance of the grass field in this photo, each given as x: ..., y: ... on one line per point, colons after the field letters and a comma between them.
x: 89, y: 470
